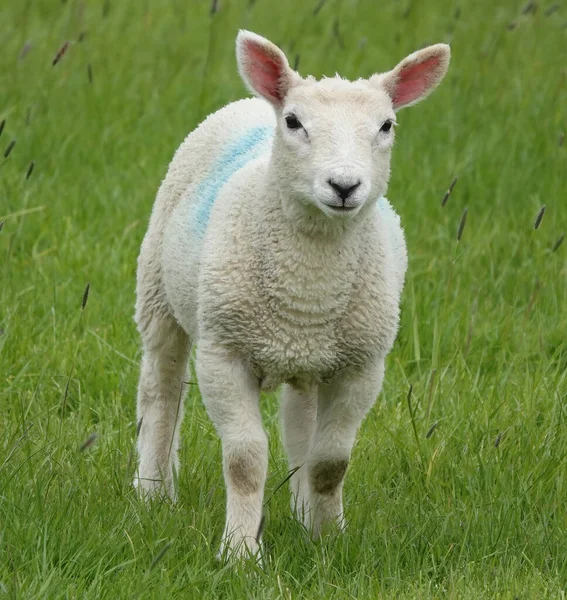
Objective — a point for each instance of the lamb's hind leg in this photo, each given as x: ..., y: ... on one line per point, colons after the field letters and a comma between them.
x: 298, y: 415
x: 160, y: 401
x: 340, y: 410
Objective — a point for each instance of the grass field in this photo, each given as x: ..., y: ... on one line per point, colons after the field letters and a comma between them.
x: 460, y: 492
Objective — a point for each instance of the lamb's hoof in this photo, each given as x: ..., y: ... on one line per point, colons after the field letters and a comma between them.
x: 330, y: 527
x: 238, y: 551
x: 153, y: 489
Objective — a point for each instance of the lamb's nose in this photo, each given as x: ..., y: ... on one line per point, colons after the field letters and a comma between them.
x: 344, y: 190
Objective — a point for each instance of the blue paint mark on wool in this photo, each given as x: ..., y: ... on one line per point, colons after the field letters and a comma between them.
x: 387, y: 210
x: 240, y: 152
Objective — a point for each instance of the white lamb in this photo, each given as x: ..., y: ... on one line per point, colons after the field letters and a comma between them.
x: 272, y: 248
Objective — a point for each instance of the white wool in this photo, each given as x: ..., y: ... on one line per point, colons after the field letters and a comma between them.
x: 272, y: 248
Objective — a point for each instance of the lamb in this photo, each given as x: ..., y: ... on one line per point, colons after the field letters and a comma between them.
x: 272, y: 248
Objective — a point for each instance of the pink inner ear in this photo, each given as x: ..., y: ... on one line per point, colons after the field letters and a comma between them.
x: 265, y: 71
x: 414, y: 81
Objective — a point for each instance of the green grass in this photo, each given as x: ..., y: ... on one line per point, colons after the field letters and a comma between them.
x: 473, y: 508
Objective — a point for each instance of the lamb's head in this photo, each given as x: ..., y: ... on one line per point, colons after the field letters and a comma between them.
x: 334, y: 137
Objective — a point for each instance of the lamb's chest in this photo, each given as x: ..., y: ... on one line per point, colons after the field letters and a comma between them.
x: 301, y: 345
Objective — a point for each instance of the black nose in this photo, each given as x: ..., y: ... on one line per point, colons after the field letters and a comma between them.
x: 344, y: 191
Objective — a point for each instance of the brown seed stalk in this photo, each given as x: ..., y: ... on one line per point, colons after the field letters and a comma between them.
x: 448, y: 192
x: 9, y: 148
x: 85, y: 296
x: 431, y: 430
x: 499, y: 438
x: 30, y: 169
x: 462, y: 225
x: 60, y: 54
x: 539, y: 217
x: 88, y: 442
x: 558, y: 243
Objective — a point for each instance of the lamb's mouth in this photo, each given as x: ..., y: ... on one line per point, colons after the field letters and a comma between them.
x: 342, y: 209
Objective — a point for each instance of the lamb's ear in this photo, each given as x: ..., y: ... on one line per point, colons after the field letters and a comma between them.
x: 263, y: 67
x: 416, y: 76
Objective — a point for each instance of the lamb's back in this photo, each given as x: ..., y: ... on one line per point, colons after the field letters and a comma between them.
x: 207, y: 150
x: 201, y: 168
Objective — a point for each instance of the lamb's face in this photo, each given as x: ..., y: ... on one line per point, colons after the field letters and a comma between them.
x: 334, y: 138
x: 334, y: 142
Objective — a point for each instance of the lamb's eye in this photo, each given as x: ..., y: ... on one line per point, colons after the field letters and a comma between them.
x: 386, y: 126
x: 293, y: 122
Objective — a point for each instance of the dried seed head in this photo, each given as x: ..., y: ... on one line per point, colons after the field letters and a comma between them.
x: 499, y: 439
x: 85, y: 296
x: 82, y: 36
x: 9, y: 148
x: 88, y: 442
x: 1, y: 225
x: 2, y: 126
x: 60, y: 54
x: 539, y: 217
x: 139, y: 426
x: 431, y: 430
x: 462, y: 225
x: 448, y: 192
x: 30, y: 169
x: 530, y: 7
x: 558, y: 243
x: 215, y: 7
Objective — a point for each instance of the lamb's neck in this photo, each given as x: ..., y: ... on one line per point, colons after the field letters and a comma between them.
x: 309, y: 272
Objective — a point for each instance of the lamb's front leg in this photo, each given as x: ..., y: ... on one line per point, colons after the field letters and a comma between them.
x: 341, y: 407
x: 231, y: 395
x: 298, y: 414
